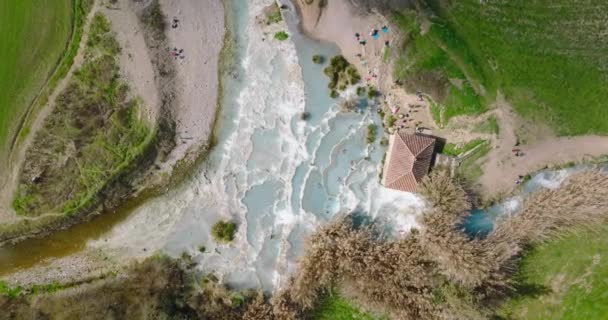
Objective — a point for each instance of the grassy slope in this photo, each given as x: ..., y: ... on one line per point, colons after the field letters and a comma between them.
x: 489, y: 126
x: 91, y: 137
x: 34, y: 35
x: 471, y: 167
x: 455, y: 150
x: 547, y: 56
x: 438, y: 57
x: 568, y: 275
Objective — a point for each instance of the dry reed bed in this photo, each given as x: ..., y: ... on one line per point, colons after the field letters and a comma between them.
x: 435, y: 272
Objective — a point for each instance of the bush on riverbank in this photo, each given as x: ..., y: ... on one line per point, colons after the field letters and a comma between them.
x: 372, y: 92
x: 223, y: 231
x: 371, y: 133
x: 304, y: 116
x: 281, y: 36
x: 360, y: 91
x: 318, y: 59
x: 390, y: 121
x: 273, y: 14
x: 341, y: 74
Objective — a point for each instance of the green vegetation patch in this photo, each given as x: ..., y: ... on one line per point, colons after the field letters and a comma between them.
x: 371, y: 133
x: 546, y: 56
x: 281, y: 36
x: 384, y: 142
x: 273, y: 14
x: 91, y: 137
x: 318, y: 59
x: 341, y: 74
x: 34, y: 36
x: 436, y: 113
x: 360, y: 91
x: 223, y: 231
x: 336, y: 307
x: 390, y: 121
x: 462, y: 101
x: 455, y: 150
x: 470, y: 168
x: 563, y: 279
x: 8, y: 291
x: 488, y: 126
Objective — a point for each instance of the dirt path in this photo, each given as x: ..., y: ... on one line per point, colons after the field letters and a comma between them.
x: 17, y: 156
x: 502, y: 168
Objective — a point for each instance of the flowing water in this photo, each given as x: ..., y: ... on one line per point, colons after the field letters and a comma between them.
x: 276, y: 176
x: 481, y: 221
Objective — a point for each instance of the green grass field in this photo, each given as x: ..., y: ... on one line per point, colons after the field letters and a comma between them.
x: 547, y: 56
x: 489, y: 126
x: 564, y: 279
x: 33, y: 38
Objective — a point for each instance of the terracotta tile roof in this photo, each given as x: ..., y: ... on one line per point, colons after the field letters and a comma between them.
x: 408, y: 160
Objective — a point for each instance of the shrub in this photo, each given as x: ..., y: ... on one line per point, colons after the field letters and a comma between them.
x: 8, y: 291
x: 304, y: 116
x: 360, y: 91
x: 274, y: 15
x: 371, y: 92
x: 371, y: 133
x: 223, y: 231
x: 384, y: 142
x: 154, y: 18
x: 381, y: 113
x: 341, y: 73
x: 334, y: 94
x: 281, y: 35
x: 318, y: 59
x: 352, y: 74
x: 390, y: 121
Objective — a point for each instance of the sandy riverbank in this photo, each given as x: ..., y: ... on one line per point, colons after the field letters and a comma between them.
x: 196, y: 29
x: 200, y: 34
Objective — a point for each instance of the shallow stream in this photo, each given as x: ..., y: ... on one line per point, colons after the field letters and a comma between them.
x: 277, y: 176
